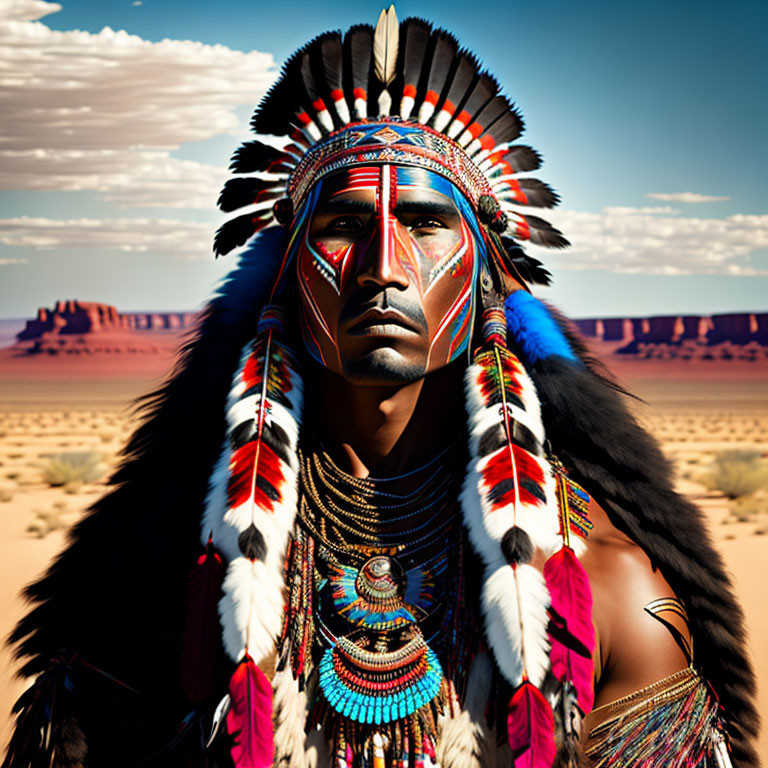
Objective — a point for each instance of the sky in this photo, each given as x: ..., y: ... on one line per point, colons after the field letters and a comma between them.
x: 118, y: 117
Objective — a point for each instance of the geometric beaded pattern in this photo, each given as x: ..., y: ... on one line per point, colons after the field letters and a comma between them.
x: 388, y: 140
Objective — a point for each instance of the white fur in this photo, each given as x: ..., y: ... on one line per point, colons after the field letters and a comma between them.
x: 464, y: 739
x: 251, y: 607
x: 290, y: 707
x: 515, y: 603
x: 406, y: 105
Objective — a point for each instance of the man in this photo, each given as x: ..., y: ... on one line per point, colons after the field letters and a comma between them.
x: 431, y: 532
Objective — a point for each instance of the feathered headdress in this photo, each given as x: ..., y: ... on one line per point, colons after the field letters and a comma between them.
x: 400, y: 93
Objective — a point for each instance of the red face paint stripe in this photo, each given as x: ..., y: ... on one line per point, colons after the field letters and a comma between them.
x: 409, y: 91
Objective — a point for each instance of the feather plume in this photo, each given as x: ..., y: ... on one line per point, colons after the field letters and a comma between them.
x: 571, y: 596
x: 538, y: 231
x: 249, y: 720
x: 290, y: 707
x: 515, y: 602
x: 236, y: 232
x: 443, y: 54
x: 530, y: 727
x: 200, y: 639
x: 248, y: 191
x: 461, y: 82
x: 525, y: 192
x: 332, y: 54
x: 465, y: 740
x: 385, y: 46
x: 255, y: 156
x: 415, y: 38
x: 251, y: 503
x: 358, y: 53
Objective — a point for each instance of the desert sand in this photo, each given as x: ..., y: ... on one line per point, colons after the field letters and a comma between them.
x: 82, y: 407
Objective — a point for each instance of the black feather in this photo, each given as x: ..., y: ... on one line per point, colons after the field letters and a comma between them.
x: 460, y: 81
x: 414, y: 43
x: 240, y: 192
x: 484, y: 89
x: 276, y: 112
x: 538, y: 194
x: 358, y: 60
x: 522, y: 158
x: 517, y: 260
x: 507, y: 127
x: 255, y: 156
x: 492, y: 112
x: 238, y: 231
x: 543, y: 233
x: 445, y: 48
x: 332, y: 54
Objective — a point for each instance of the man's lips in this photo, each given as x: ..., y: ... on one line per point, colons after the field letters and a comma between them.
x: 381, y: 322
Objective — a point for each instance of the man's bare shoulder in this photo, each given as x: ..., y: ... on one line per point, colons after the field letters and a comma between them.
x: 635, y: 648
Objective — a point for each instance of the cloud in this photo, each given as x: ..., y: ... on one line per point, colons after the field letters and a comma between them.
x: 27, y: 10
x: 634, y: 240
x: 183, y: 239
x: 129, y: 179
x: 685, y: 197
x: 97, y: 111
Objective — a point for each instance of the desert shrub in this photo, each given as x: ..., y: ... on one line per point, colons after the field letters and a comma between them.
x: 48, y: 520
x: 73, y: 467
x: 6, y: 494
x: 738, y: 473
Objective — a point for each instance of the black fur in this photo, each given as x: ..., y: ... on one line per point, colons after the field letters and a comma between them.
x: 592, y: 431
x: 116, y: 593
x: 517, y: 547
x: 251, y: 543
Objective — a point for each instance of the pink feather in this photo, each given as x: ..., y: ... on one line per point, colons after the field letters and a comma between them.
x: 531, y: 728
x: 571, y: 595
x: 249, y: 720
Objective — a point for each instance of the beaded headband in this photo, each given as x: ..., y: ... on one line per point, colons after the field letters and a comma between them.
x: 406, y: 94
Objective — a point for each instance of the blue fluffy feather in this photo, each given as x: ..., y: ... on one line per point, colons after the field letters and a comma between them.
x: 534, y: 331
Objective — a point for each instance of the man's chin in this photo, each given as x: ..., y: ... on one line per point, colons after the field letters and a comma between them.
x: 382, y: 366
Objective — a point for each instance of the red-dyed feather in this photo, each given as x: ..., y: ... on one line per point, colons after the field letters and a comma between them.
x: 249, y: 720
x: 531, y: 728
x: 201, y: 628
x: 571, y: 595
x: 527, y: 473
x: 255, y: 472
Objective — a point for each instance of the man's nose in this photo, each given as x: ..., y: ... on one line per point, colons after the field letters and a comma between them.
x: 382, y: 262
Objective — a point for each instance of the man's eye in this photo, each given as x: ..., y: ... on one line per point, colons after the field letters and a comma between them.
x: 427, y: 222
x: 346, y: 224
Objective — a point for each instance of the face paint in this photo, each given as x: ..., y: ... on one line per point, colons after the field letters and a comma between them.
x: 387, y: 266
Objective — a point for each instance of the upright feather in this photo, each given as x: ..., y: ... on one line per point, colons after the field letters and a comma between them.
x: 385, y: 48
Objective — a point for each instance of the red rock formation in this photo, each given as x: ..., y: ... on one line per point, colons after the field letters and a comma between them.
x: 84, y: 327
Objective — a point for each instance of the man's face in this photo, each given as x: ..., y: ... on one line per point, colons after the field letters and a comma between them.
x: 387, y: 271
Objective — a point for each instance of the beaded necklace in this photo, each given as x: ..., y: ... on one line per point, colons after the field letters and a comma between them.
x: 376, y: 625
